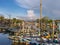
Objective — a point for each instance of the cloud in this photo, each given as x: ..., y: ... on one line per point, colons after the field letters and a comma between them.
x: 28, y: 4
x: 31, y: 14
x: 56, y: 12
x: 31, y: 5
x: 51, y: 8
x: 25, y: 18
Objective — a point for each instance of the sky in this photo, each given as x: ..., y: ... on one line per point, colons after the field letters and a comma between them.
x: 30, y: 9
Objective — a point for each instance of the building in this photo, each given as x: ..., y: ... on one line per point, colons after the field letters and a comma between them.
x: 58, y: 24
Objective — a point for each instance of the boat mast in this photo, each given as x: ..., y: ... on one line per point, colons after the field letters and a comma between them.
x: 40, y: 15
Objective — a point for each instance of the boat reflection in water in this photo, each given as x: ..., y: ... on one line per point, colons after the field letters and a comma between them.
x: 4, y: 39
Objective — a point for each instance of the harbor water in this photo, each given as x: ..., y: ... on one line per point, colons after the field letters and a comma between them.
x: 5, y: 41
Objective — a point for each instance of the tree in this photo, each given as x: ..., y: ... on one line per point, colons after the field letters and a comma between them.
x: 37, y: 20
x: 19, y: 21
x: 14, y: 20
x: 44, y: 22
x: 2, y: 19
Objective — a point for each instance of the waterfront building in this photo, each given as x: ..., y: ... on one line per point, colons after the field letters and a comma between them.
x: 58, y: 24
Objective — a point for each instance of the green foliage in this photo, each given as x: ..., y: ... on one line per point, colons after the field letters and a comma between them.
x: 14, y: 20
x: 19, y: 21
x: 1, y: 18
x: 44, y: 20
x: 37, y: 20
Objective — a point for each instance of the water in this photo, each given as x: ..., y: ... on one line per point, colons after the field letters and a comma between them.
x: 4, y: 39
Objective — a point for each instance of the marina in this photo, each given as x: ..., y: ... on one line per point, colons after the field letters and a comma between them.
x: 29, y: 22
x: 9, y: 42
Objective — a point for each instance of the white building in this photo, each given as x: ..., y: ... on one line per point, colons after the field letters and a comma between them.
x: 58, y: 26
